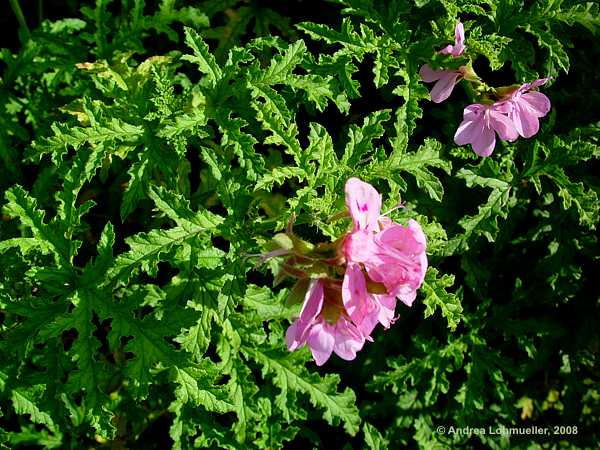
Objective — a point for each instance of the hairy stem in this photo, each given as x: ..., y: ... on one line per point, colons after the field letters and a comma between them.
x: 20, y: 17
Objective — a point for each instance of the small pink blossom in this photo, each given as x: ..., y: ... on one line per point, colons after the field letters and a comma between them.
x: 525, y: 107
x: 324, y: 325
x: 480, y: 125
x: 516, y: 114
x: 459, y: 42
x: 445, y: 80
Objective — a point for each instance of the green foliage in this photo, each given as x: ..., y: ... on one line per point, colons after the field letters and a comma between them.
x: 150, y: 148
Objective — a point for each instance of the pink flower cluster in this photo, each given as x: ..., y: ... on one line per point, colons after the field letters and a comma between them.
x: 384, y: 261
x: 516, y: 113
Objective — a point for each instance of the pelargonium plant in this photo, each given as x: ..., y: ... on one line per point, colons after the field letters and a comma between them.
x: 147, y: 147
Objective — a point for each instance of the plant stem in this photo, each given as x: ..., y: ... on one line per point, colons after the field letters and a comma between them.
x: 20, y: 17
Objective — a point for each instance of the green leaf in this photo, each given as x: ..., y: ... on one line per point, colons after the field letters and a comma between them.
x: 177, y: 208
x: 318, y: 90
x: 339, y: 64
x: 352, y: 41
x: 576, y: 195
x: 64, y: 137
x: 275, y: 117
x: 146, y: 250
x: 485, y: 222
x: 412, y: 91
x: 321, y: 151
x: 196, y: 386
x: 555, y: 48
x: 585, y: 14
x: 242, y: 144
x: 361, y: 138
x: 139, y: 177
x: 24, y: 402
x: 196, y: 339
x: 82, y: 168
x: 90, y: 375
x: 289, y: 375
x: 490, y: 45
x: 417, y: 164
x: 373, y: 437
x: 426, y: 370
x: 559, y: 155
x: 436, y: 295
x: 282, y: 66
x: 202, y: 56
x: 267, y: 305
x: 21, y: 205
x: 278, y: 176
x: 185, y: 124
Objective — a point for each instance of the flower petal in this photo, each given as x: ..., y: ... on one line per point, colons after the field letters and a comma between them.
x: 459, y: 39
x: 292, y: 339
x: 420, y: 237
x: 348, y: 339
x: 505, y: 127
x: 472, y: 124
x: 387, y: 306
x: 359, y: 303
x: 467, y: 132
x: 526, y: 122
x: 429, y: 75
x: 407, y: 295
x: 473, y: 112
x: 484, y: 142
x: 354, y: 291
x: 364, y: 203
x: 321, y: 342
x: 537, y: 102
x: 359, y: 246
x: 444, y: 86
x: 399, y: 238
x: 447, y: 50
x: 313, y: 303
x: 536, y: 83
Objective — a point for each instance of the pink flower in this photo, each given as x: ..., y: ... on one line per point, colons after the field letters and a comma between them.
x: 384, y: 261
x: 459, y: 42
x: 324, y: 325
x: 525, y: 107
x: 480, y: 125
x: 445, y: 80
